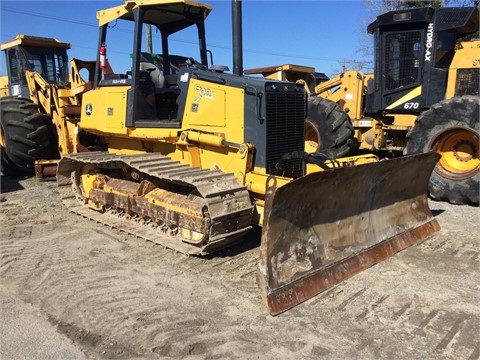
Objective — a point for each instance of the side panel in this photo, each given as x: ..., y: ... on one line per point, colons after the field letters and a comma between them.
x: 204, y: 98
x: 104, y: 110
x: 215, y: 108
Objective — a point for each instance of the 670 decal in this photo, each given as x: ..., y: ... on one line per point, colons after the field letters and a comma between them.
x: 411, y: 105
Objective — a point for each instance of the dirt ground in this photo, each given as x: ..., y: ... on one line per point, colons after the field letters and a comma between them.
x: 119, y: 297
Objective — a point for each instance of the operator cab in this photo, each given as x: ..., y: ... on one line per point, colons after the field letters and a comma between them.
x: 153, y: 76
x: 412, y: 46
x: 46, y: 56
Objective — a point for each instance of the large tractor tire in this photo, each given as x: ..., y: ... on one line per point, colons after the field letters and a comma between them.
x: 24, y: 136
x: 451, y: 128
x: 328, y: 129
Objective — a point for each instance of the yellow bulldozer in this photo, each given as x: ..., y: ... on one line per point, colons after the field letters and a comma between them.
x: 423, y: 96
x: 187, y: 155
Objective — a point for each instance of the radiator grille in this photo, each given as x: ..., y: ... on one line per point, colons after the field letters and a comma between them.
x: 285, y: 122
x: 467, y: 82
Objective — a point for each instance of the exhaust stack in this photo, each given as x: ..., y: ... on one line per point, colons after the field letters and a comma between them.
x: 237, y: 37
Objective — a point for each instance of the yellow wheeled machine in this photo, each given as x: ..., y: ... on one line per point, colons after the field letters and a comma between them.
x: 190, y: 156
x: 423, y: 96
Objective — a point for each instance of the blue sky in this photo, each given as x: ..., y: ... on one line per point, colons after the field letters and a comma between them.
x: 321, y: 33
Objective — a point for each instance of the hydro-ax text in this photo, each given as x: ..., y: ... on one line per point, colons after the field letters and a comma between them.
x: 429, y: 43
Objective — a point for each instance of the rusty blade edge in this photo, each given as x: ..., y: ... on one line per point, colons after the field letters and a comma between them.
x: 300, y: 290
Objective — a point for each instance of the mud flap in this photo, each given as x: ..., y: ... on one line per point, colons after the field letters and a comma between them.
x: 328, y: 226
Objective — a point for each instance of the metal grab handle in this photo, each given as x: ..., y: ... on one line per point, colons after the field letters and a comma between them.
x: 257, y: 99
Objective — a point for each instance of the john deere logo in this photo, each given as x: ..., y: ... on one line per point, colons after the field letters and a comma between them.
x: 88, y: 109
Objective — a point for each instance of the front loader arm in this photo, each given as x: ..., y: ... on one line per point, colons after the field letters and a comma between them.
x: 61, y: 106
x: 347, y: 90
x: 40, y: 91
x: 324, y: 88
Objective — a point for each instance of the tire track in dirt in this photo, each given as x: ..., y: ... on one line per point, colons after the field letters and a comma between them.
x: 405, y: 311
x: 420, y: 319
x: 21, y: 256
x: 455, y: 244
x: 102, y: 300
x: 109, y: 297
x: 10, y: 251
x: 415, y: 321
x: 36, y: 266
x: 97, y: 310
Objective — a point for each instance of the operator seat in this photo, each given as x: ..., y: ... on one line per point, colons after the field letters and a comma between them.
x: 146, y: 63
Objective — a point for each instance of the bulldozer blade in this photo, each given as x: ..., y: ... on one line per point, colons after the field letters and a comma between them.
x: 328, y: 226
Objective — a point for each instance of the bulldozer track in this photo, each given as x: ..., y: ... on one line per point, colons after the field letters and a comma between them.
x: 117, y: 296
x: 212, y: 185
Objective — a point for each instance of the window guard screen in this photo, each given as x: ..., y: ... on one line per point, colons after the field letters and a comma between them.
x: 403, y: 53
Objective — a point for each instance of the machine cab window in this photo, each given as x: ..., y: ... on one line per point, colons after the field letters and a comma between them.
x: 402, y: 59
x: 47, y: 57
x: 151, y: 69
